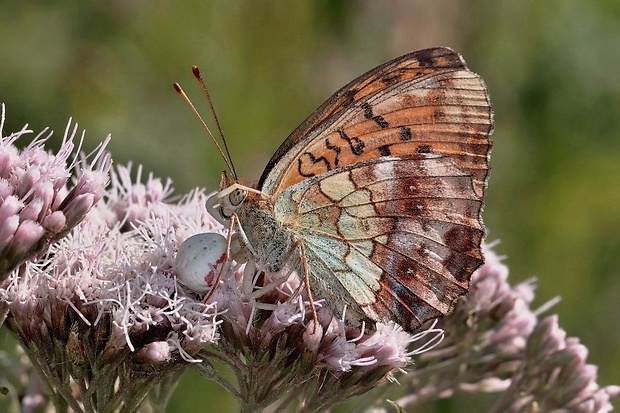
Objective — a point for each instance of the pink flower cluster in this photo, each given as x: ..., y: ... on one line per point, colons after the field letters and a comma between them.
x: 38, y: 204
x: 496, y: 343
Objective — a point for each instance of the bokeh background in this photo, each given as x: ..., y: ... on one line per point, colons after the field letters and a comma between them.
x: 552, y: 69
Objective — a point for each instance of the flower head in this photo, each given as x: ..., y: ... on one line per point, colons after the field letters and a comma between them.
x: 102, y: 298
x: 495, y: 343
x: 39, y: 204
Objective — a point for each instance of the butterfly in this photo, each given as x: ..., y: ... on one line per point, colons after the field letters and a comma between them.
x: 377, y: 195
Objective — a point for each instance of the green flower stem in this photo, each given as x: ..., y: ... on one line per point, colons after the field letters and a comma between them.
x: 60, y: 392
x: 4, y: 311
x: 162, y: 393
x: 206, y: 370
x: 103, y: 378
x: 142, y: 387
x: 227, y: 358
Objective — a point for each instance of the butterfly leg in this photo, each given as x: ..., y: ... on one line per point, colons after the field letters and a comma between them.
x: 250, y: 281
x: 227, y: 254
x: 252, y: 269
x: 298, y: 246
x: 238, y: 254
x: 306, y: 271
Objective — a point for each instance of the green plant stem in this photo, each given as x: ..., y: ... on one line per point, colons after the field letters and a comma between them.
x: 164, y: 391
x: 4, y: 311
x: 102, y: 384
x: 136, y: 399
x: 61, y: 395
x: 206, y: 370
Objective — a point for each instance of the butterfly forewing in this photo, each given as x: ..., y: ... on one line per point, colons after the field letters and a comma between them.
x: 400, y: 69
x: 430, y: 103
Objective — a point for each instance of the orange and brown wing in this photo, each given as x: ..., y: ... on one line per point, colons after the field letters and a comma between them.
x: 384, y: 186
x: 422, y: 102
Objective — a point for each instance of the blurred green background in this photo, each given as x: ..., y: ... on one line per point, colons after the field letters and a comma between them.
x: 552, y: 69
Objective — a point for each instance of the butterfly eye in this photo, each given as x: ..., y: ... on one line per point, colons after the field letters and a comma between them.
x: 237, y: 197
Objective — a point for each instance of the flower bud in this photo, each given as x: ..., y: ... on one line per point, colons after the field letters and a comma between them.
x: 155, y: 352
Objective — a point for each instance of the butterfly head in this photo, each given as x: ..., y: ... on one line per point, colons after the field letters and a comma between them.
x: 231, y: 195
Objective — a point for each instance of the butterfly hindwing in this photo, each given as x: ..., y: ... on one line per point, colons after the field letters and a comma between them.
x: 398, y: 236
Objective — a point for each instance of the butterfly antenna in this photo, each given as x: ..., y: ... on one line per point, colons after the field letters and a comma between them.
x: 198, y: 77
x: 225, y: 155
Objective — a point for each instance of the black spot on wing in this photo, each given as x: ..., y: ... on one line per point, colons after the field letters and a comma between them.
x: 384, y: 150
x: 357, y: 145
x: 405, y: 133
x: 379, y: 120
x: 424, y: 149
x: 314, y: 160
x: 426, y: 57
